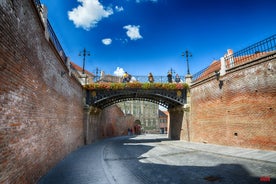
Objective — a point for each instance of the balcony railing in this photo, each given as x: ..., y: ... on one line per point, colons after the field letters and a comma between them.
x: 263, y: 48
x: 55, y: 41
x: 257, y: 50
x: 52, y: 35
x: 157, y: 79
x: 199, y: 74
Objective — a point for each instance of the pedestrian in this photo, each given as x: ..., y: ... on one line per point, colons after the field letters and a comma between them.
x: 129, y: 78
x: 177, y: 78
x: 150, y: 78
x: 125, y: 77
x: 169, y: 77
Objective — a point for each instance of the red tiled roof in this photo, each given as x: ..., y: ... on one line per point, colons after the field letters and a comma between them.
x: 163, y: 113
x: 214, y: 67
x: 78, y: 68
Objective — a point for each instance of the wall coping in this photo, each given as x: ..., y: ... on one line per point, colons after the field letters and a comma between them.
x: 242, y: 66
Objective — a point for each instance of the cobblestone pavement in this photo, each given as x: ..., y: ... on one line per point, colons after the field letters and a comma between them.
x: 155, y: 159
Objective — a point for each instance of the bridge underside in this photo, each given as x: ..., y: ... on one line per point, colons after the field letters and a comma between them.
x: 166, y: 98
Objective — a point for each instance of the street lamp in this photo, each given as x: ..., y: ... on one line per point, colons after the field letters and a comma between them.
x: 84, y: 53
x: 172, y: 71
x: 187, y: 54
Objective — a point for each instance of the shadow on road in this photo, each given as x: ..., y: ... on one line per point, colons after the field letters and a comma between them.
x: 141, y: 165
x: 134, y: 160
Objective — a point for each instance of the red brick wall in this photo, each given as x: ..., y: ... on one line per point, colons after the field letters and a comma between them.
x: 114, y: 122
x: 240, y: 113
x: 109, y: 118
x: 40, y: 112
x: 109, y: 122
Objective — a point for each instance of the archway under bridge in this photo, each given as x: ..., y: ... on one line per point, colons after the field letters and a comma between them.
x: 102, y: 98
x: 174, y: 100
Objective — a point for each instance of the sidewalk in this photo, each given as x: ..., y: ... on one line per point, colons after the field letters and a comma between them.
x: 252, y: 154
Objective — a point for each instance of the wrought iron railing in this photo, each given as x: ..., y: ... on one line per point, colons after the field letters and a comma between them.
x: 260, y: 49
x: 207, y: 72
x: 157, y: 79
x: 199, y: 74
x: 141, y: 79
x: 55, y: 41
x: 257, y: 50
x: 52, y: 34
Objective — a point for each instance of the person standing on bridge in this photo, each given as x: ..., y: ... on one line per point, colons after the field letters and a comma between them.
x: 169, y: 77
x: 126, y: 77
x: 177, y: 78
x: 150, y: 78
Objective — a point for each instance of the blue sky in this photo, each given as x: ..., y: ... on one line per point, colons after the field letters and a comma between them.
x: 142, y: 36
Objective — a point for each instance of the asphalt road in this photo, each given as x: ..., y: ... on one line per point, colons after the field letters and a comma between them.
x: 150, y: 159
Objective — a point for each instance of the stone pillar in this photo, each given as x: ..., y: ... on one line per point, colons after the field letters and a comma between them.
x: 91, y: 122
x: 86, y: 118
x: 176, y: 121
x: 83, y: 78
x: 186, y: 126
x: 188, y: 80
x: 94, y: 123
x: 222, y: 66
x: 230, y: 57
x: 68, y: 63
x: 179, y: 124
x: 180, y: 118
x: 44, y: 18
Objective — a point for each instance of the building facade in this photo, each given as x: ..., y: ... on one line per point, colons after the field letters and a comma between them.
x: 145, y: 112
x: 163, y: 121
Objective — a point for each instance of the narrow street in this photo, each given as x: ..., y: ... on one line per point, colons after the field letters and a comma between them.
x: 156, y: 159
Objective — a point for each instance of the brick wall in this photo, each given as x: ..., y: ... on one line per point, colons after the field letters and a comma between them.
x: 40, y: 111
x: 109, y: 122
x: 240, y: 110
x: 115, y: 123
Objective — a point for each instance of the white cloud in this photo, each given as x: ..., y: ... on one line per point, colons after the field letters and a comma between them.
x: 119, y: 72
x: 88, y: 14
x: 133, y: 32
x: 107, y: 41
x: 119, y: 8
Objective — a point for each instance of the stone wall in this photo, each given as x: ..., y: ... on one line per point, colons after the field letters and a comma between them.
x: 239, y: 109
x: 179, y: 123
x: 41, y: 115
x: 176, y: 123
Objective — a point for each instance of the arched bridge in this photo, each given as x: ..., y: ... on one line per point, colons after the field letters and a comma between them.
x: 168, y: 95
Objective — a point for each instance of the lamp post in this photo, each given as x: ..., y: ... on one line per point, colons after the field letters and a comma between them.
x: 187, y: 54
x: 172, y: 71
x: 84, y: 53
x: 98, y: 71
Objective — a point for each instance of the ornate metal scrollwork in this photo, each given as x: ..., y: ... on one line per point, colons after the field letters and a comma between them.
x: 168, y: 98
